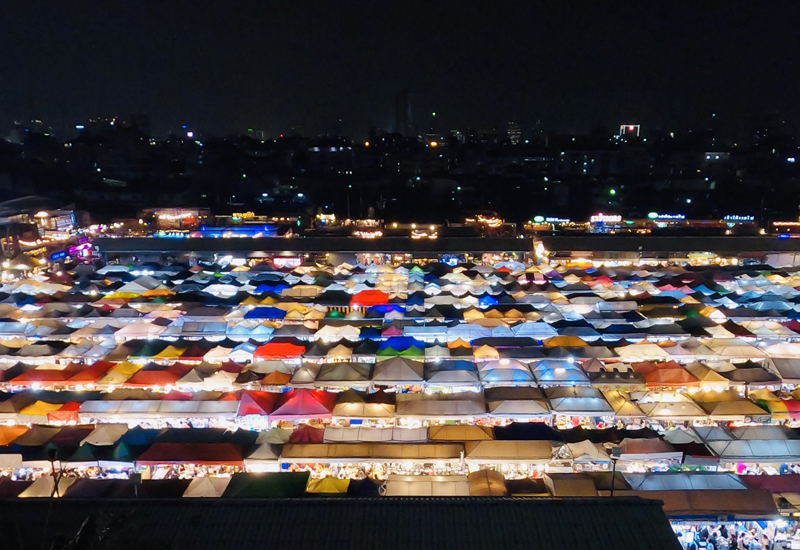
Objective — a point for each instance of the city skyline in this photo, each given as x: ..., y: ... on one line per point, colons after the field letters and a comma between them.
x: 277, y: 67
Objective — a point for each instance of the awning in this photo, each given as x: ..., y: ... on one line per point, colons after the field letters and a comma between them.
x: 499, y: 452
x: 421, y: 486
x: 370, y: 452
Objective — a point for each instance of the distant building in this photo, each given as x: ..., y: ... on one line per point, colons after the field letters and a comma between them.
x: 175, y: 218
x: 629, y: 131
x: 514, y: 132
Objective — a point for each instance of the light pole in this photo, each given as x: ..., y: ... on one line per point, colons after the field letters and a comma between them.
x: 615, y: 454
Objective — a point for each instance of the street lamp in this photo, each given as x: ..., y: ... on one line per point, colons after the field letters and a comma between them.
x: 616, y: 452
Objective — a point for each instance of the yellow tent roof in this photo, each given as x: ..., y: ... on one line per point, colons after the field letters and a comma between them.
x: 120, y: 373
x: 158, y: 292
x: 40, y: 408
x: 113, y: 378
x: 292, y: 306
x: 485, y: 352
x: 763, y: 394
x: 120, y: 296
x: 126, y: 367
x: 473, y: 314
x: 328, y: 485
x: 565, y: 341
x: 170, y: 352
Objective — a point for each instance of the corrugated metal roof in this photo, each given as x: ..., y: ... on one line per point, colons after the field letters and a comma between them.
x: 318, y: 523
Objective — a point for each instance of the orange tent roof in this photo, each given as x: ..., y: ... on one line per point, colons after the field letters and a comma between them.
x: 644, y: 367
x: 458, y: 344
x: 276, y: 378
x: 671, y: 377
x: 9, y: 433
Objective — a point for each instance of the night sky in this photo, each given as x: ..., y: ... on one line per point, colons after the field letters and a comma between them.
x: 226, y: 66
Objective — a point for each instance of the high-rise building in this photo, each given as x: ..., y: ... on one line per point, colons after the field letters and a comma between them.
x: 402, y: 113
x: 514, y: 132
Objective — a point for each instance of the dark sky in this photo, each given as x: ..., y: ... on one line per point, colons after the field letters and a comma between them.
x: 223, y: 66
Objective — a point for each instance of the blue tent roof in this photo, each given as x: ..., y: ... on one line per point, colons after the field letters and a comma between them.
x: 265, y: 312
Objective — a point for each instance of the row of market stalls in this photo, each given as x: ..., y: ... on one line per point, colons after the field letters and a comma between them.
x: 215, y: 380
x: 559, y: 406
x: 377, y: 346
x: 400, y: 371
x: 516, y: 451
x: 688, y: 499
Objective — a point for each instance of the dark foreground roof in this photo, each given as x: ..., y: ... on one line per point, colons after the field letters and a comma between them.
x: 310, y: 524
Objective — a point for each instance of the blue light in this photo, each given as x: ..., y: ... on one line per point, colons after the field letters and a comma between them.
x: 783, y: 236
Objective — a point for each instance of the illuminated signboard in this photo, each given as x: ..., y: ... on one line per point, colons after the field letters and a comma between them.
x: 665, y: 217
x: 542, y: 219
x: 739, y: 218
x: 605, y: 218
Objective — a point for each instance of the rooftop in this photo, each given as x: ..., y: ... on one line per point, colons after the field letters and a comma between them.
x: 310, y: 524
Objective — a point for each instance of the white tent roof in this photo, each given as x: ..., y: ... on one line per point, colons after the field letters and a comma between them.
x: 464, y: 405
x: 44, y: 487
x: 206, y: 487
x: 498, y: 452
x: 398, y: 371
x: 420, y: 486
x: 106, y: 434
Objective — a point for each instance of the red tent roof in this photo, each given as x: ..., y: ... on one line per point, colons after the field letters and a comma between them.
x: 256, y: 402
x: 192, y: 453
x: 194, y: 353
x: 230, y: 366
x: 307, y: 434
x: 793, y: 407
x: 147, y: 378
x: 168, y: 377
x: 788, y: 483
x: 231, y: 396
x: 278, y: 350
x: 302, y: 403
x: 368, y: 298
x: 67, y: 413
x: 92, y: 373
x: 31, y: 376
